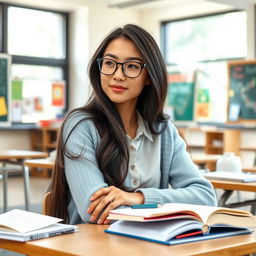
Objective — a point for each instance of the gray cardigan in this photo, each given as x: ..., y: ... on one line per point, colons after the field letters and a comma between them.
x: 180, y: 179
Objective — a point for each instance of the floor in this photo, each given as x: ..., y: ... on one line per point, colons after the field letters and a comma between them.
x: 38, y: 186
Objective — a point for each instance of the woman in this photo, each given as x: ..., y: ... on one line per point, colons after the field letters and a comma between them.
x: 120, y: 149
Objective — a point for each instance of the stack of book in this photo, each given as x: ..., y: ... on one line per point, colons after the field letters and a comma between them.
x: 180, y: 223
x: 22, y: 226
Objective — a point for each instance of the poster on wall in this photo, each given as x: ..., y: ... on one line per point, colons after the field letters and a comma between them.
x: 58, y: 94
x: 202, y: 104
x: 5, y: 62
x: 180, y: 98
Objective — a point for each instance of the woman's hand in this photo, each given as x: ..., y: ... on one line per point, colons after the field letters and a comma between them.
x: 107, y: 199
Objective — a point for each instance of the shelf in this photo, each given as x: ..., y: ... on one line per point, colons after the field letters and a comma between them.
x: 196, y: 146
x: 247, y: 149
x: 44, y: 139
x: 214, y: 147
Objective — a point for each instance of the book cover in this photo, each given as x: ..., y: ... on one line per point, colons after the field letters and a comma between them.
x: 53, y: 230
x: 185, y: 234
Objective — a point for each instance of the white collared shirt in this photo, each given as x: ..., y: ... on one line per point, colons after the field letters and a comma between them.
x: 144, y: 162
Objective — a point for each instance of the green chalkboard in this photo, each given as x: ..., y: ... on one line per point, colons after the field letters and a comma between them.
x: 242, y: 91
x: 4, y: 89
x: 180, y: 98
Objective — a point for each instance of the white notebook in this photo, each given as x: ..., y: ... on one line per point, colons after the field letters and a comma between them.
x: 23, y: 226
x: 231, y: 176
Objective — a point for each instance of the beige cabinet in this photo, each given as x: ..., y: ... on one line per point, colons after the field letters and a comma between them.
x: 220, y: 141
x: 44, y: 139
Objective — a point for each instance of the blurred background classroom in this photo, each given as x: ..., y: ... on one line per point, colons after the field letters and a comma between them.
x: 209, y: 47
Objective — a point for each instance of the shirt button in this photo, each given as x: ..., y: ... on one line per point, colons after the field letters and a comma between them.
x: 135, y: 182
x: 133, y: 167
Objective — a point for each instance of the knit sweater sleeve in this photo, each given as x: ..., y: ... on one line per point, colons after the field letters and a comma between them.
x: 83, y: 174
x: 182, y: 182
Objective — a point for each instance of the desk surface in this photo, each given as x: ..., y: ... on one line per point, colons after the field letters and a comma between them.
x: 231, y: 185
x: 252, y: 169
x: 91, y: 240
x: 40, y: 163
x: 201, y: 158
x: 21, y: 154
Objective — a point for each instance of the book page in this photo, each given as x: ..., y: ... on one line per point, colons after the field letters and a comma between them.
x: 24, y: 221
x: 201, y: 211
x: 162, y: 231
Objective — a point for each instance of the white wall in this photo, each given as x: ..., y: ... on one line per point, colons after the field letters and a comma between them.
x: 90, y: 21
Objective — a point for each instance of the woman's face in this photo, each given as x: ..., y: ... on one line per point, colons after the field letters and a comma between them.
x: 119, y: 88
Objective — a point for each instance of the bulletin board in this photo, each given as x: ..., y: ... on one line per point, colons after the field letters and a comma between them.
x: 180, y: 98
x: 242, y: 91
x: 5, y: 90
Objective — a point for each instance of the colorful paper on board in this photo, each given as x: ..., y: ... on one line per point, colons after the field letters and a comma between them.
x: 17, y: 89
x: 58, y: 94
x: 3, y: 107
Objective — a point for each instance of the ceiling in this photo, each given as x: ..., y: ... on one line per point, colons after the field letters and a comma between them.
x: 142, y: 4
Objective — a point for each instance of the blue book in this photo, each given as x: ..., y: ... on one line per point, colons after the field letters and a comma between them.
x: 172, y: 232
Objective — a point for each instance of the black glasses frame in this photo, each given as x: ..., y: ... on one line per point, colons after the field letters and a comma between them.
x: 99, y: 60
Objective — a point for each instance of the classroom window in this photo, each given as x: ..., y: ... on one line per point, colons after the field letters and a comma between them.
x: 204, y: 45
x: 38, y: 33
x: 37, y: 42
x: 206, y: 38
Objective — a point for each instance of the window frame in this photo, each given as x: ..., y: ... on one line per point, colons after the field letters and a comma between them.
x: 37, y: 61
x: 163, y: 36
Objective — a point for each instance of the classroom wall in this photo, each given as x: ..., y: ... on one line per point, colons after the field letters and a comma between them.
x: 90, y: 21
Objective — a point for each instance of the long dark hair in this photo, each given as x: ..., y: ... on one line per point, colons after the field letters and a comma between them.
x: 112, y: 152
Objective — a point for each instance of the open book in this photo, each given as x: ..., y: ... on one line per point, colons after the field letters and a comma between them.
x: 178, y: 223
x: 23, y: 226
x: 231, y: 176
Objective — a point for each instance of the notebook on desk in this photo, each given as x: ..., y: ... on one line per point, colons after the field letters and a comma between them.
x: 22, y: 226
x: 231, y: 176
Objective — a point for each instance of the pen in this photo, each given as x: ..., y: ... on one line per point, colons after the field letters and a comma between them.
x: 145, y: 206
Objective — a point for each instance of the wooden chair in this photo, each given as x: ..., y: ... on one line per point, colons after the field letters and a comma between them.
x: 46, y: 203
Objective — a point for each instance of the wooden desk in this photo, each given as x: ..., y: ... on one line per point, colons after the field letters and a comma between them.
x: 44, y: 163
x: 229, y: 187
x: 40, y: 163
x: 92, y: 240
x: 17, y: 157
x: 205, y: 160
x: 252, y: 169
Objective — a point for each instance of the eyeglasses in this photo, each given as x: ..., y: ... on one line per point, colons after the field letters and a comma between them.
x: 131, y: 69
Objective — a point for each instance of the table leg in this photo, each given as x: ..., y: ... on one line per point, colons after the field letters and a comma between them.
x: 5, y: 179
x: 26, y: 187
x: 224, y: 197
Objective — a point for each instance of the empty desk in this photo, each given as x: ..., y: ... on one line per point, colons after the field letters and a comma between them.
x: 17, y: 157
